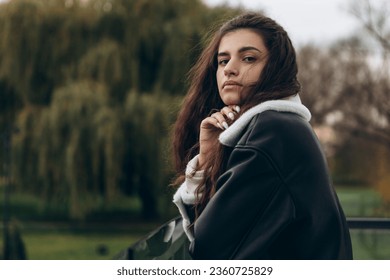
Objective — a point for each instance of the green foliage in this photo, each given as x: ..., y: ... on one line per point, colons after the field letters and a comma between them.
x: 49, y: 40
x: 83, y: 152
x: 104, y: 63
x: 57, y: 150
x: 139, y: 45
x: 147, y: 123
x: 93, y: 87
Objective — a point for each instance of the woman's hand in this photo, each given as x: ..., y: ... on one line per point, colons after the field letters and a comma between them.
x: 211, y: 127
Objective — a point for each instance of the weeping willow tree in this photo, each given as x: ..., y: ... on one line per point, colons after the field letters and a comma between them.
x: 137, y: 45
x: 75, y: 153
x: 147, y: 123
x: 93, y: 87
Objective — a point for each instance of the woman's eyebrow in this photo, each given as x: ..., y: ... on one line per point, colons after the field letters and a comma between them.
x: 244, y: 49
x: 223, y: 54
x: 241, y: 50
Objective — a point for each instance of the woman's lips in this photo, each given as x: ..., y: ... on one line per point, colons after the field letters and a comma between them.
x: 231, y: 84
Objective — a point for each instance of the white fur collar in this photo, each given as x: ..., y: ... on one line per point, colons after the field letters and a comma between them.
x: 292, y: 104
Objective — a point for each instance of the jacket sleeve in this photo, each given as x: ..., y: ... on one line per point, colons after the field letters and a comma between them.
x: 250, y: 204
x: 184, y: 198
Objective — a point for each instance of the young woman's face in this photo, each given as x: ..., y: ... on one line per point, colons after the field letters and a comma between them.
x: 242, y: 56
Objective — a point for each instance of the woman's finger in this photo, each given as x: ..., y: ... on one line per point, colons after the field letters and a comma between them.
x: 228, y: 112
x: 211, y: 121
x: 221, y: 119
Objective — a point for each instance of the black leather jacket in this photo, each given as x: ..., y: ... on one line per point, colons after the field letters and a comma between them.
x: 275, y: 200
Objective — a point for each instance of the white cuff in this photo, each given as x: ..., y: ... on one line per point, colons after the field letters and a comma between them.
x: 177, y: 199
x: 186, y: 193
x: 193, y: 179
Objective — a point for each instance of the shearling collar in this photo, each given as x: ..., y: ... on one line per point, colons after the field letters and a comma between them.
x: 291, y: 104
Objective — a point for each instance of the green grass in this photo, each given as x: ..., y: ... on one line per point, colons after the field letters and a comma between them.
x: 59, y: 243
x: 70, y: 246
x: 49, y: 234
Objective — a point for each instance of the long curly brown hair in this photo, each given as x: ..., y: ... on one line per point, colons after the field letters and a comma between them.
x: 277, y: 80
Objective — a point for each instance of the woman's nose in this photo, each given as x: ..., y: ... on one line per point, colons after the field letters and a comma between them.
x: 231, y: 69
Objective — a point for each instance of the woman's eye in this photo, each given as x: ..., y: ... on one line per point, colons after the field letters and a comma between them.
x: 223, y: 61
x: 249, y: 59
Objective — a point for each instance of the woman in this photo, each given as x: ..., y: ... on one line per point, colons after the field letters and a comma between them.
x: 253, y: 180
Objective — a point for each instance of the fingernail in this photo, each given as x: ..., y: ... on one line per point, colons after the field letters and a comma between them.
x: 231, y: 116
x: 225, y: 125
x: 238, y: 109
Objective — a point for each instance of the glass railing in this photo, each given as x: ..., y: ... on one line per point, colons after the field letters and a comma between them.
x: 370, y: 238
x: 168, y: 242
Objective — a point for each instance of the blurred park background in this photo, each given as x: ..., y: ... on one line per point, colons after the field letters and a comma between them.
x: 89, y: 90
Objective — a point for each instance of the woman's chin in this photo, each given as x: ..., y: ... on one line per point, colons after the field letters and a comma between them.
x: 231, y: 99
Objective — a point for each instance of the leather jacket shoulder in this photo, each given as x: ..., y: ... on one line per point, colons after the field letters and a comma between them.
x: 275, y: 199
